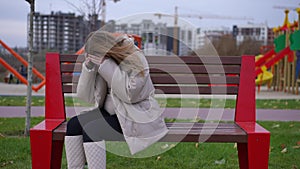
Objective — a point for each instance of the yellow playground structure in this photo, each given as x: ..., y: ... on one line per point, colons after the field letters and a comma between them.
x: 280, y: 66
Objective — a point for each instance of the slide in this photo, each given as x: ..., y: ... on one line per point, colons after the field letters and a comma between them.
x: 261, y: 60
x: 275, y: 59
x: 264, y: 78
x: 266, y: 61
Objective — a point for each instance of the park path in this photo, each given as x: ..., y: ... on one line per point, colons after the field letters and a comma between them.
x: 189, y: 113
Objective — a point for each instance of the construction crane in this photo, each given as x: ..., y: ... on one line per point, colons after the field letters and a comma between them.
x: 176, y: 15
x: 103, y: 10
x: 291, y: 8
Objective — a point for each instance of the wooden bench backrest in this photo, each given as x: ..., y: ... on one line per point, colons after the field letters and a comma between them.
x: 226, y: 75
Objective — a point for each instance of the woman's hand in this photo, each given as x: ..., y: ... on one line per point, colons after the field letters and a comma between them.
x: 95, y: 59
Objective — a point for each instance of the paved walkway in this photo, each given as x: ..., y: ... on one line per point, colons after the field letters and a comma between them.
x: 21, y: 90
x: 228, y: 114
x: 189, y: 113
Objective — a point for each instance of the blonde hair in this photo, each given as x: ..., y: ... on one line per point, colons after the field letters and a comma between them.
x: 119, y: 48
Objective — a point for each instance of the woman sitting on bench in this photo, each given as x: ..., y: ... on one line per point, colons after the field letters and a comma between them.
x: 115, y: 76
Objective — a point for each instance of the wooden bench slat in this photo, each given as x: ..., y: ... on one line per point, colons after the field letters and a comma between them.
x: 228, y: 132
x: 71, y: 58
x: 70, y: 78
x: 171, y: 59
x: 71, y: 67
x: 230, y: 90
x: 194, y: 60
x: 182, y: 69
x: 173, y: 79
x: 200, y: 125
x: 69, y: 88
x: 198, y: 69
x: 193, y: 79
x: 198, y: 90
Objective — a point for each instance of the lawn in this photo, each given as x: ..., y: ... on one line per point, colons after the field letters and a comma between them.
x: 284, y: 150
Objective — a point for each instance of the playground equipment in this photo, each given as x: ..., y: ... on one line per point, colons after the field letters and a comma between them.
x: 24, y: 62
x: 267, y: 61
x: 282, y: 60
x: 264, y: 76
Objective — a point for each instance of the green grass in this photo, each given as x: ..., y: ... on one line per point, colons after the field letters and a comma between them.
x: 15, y: 150
x: 36, y: 101
x: 171, y: 102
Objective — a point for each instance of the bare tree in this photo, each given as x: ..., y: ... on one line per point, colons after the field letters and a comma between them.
x: 249, y: 47
x: 91, y: 10
x: 226, y: 46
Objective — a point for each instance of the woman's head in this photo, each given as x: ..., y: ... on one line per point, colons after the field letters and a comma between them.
x: 102, y: 43
x: 119, y: 48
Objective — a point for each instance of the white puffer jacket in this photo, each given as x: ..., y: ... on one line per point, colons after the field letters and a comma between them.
x: 133, y: 101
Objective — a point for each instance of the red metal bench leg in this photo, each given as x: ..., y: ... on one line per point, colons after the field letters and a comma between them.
x: 243, y: 155
x: 45, y: 153
x: 57, y: 154
x: 255, y: 154
x: 41, y: 148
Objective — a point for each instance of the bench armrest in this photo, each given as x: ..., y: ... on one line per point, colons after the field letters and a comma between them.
x: 252, y: 128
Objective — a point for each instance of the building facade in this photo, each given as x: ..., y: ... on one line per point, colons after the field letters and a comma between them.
x: 158, y: 38
x: 258, y: 32
x: 205, y: 36
x: 61, y: 32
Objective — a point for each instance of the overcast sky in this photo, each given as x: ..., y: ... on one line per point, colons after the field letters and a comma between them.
x: 13, y: 13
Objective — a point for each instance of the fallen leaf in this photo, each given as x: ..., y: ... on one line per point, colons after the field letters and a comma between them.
x: 1, y: 135
x: 76, y: 104
x: 284, y: 150
x: 172, y: 145
x: 296, y: 147
x: 294, y: 167
x: 158, y: 158
x: 298, y: 143
x: 291, y: 125
x: 197, y: 145
x: 223, y: 161
x: 275, y: 126
x: 283, y: 146
x: 6, y: 163
x: 164, y: 146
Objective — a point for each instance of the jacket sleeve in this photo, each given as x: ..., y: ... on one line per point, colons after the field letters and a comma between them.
x: 91, y: 88
x: 127, y: 86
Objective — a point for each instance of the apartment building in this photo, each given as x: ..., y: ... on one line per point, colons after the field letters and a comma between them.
x: 61, y: 32
x: 258, y: 32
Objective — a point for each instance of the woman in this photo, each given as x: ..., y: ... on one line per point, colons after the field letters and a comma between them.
x: 115, y: 76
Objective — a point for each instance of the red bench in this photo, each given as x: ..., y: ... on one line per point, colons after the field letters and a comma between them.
x: 172, y: 75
